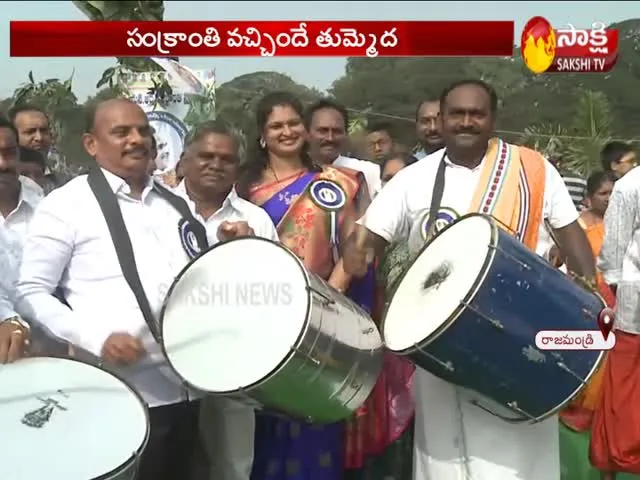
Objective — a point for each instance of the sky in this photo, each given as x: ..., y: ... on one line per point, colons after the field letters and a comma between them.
x: 313, y: 72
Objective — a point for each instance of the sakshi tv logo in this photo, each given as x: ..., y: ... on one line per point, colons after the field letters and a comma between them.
x: 568, y: 50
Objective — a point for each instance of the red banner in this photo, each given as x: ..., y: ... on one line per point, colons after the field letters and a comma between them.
x: 266, y: 39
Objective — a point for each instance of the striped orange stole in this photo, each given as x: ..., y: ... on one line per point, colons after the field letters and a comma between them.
x: 511, y: 189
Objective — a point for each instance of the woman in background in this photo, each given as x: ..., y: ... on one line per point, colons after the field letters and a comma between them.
x: 281, y: 178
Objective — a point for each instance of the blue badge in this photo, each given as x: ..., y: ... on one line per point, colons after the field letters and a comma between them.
x: 189, y: 239
x: 328, y: 195
x: 445, y: 217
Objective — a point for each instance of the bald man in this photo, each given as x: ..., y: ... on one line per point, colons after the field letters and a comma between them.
x: 106, y: 316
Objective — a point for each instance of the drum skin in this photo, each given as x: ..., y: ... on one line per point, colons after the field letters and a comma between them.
x: 63, y: 419
x: 487, y: 345
x: 323, y: 375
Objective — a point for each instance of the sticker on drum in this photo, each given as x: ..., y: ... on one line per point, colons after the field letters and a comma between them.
x: 62, y: 419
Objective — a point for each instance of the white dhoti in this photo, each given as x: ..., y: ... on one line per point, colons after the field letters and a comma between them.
x: 227, y: 429
x: 456, y: 440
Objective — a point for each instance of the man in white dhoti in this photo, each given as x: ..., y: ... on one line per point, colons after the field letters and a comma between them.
x: 455, y: 439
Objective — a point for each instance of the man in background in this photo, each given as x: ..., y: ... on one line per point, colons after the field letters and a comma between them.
x: 380, y: 140
x: 327, y: 122
x: 210, y: 163
x: 428, y: 128
x: 618, y: 157
x: 19, y: 197
x: 34, y: 129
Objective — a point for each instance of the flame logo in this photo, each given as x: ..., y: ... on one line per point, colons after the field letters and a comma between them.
x: 538, y: 45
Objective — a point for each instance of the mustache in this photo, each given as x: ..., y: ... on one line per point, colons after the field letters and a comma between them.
x: 469, y: 130
x: 328, y: 143
x: 142, y: 150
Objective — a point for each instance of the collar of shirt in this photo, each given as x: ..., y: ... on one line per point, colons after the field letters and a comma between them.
x: 231, y: 202
x: 119, y: 185
x: 28, y: 199
x: 455, y: 165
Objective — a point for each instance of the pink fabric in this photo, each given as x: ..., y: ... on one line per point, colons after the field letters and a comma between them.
x: 385, y: 415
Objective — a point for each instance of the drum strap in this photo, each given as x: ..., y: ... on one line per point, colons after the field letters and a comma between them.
x: 436, y: 198
x: 122, y: 242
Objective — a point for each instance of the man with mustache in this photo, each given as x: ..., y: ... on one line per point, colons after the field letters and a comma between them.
x: 327, y: 124
x: 18, y: 200
x: 428, y: 128
x: 210, y: 164
x: 33, y: 127
x: 80, y: 239
x: 453, y: 438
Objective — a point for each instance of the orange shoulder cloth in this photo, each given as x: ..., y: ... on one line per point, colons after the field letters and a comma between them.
x: 511, y: 189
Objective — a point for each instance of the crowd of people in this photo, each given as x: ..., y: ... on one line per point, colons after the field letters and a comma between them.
x: 66, y: 291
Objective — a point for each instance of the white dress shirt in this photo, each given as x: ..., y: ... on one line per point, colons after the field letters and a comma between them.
x: 370, y: 170
x: 620, y: 255
x: 234, y: 209
x: 228, y: 426
x: 69, y: 245
x: 455, y: 439
x: 13, y: 230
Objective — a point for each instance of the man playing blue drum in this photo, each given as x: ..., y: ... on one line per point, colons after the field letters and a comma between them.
x: 517, y: 186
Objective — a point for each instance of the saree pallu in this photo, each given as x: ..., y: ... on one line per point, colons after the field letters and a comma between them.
x: 286, y: 449
x: 379, y: 443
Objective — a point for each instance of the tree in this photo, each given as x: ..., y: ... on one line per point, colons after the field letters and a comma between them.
x: 140, y: 11
x: 578, y: 146
x: 392, y: 88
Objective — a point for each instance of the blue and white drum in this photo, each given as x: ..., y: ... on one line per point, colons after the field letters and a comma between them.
x: 468, y: 309
x: 62, y: 419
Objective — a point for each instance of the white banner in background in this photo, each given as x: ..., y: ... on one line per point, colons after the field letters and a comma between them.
x: 168, y: 120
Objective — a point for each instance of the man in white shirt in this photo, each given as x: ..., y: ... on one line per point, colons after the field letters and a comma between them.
x: 327, y: 124
x: 210, y: 163
x: 18, y: 199
x: 455, y: 439
x: 69, y: 245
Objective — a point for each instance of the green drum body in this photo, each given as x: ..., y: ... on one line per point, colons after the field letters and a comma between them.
x: 246, y: 320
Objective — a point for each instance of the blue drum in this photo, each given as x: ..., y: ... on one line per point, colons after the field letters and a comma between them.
x: 468, y: 309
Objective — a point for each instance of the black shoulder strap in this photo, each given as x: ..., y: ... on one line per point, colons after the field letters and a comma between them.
x: 122, y: 242
x: 436, y: 198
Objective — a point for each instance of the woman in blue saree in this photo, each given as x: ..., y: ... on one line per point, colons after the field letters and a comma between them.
x: 314, y: 209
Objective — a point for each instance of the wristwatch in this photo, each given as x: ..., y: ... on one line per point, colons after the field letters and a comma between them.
x: 18, y: 322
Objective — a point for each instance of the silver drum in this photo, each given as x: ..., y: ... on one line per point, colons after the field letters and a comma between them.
x: 247, y: 320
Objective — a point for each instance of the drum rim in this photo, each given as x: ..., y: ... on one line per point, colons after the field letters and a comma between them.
x: 470, y: 295
x: 133, y: 459
x: 283, y: 362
